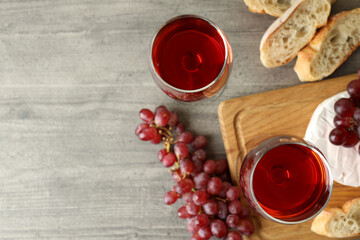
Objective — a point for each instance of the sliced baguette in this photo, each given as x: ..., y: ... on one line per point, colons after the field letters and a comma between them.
x: 336, y: 222
x: 275, y: 8
x: 330, y: 48
x: 292, y: 31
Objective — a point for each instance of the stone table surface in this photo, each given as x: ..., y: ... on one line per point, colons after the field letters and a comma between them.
x: 73, y: 76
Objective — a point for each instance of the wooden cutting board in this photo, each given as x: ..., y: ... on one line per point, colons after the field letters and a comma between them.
x: 285, y: 111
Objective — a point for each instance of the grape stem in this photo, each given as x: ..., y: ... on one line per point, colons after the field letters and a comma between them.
x: 165, y: 135
x: 175, y: 167
x: 167, y: 146
x: 166, y: 130
x: 221, y: 199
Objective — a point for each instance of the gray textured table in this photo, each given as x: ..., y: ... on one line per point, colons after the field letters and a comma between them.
x: 73, y: 76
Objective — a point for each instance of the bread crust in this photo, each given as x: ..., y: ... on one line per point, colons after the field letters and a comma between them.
x: 262, y: 9
x: 349, y: 204
x: 277, y: 25
x: 303, y: 64
x: 256, y: 11
x: 254, y: 7
x: 306, y: 56
x: 320, y: 222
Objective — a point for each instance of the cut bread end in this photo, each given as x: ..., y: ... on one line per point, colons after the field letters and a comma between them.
x: 330, y: 48
x: 336, y: 222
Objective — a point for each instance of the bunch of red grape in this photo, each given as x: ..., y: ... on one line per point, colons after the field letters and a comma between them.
x: 212, y: 206
x: 347, y: 119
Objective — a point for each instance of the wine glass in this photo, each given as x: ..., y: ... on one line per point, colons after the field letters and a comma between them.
x: 286, y: 179
x: 190, y: 58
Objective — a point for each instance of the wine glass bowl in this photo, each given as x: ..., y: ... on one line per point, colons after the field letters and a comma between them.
x: 286, y: 179
x: 190, y: 58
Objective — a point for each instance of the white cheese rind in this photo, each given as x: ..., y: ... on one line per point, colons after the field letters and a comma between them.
x: 344, y: 162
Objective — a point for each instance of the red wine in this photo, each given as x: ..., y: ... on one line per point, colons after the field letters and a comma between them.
x: 188, y: 53
x: 290, y: 180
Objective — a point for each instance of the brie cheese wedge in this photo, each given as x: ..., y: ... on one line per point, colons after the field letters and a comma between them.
x: 344, y: 162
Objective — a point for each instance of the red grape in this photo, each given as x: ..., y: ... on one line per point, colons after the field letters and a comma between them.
x: 232, y: 220
x: 192, y: 209
x: 245, y: 212
x: 148, y: 133
x: 201, y: 180
x: 338, y: 136
x: 177, y: 175
x: 201, y: 220
x: 186, y: 166
x: 146, y: 115
x: 181, y: 150
x: 160, y: 108
x: 182, y: 213
x: 191, y: 227
x: 199, y: 142
x: 233, y: 193
x: 184, y: 186
x: 196, y: 236
x: 209, y: 166
x: 169, y: 160
x: 161, y: 154
x: 224, y: 188
x: 210, y: 208
x: 170, y: 197
x: 221, y: 166
x: 342, y: 122
x: 173, y: 119
x: 162, y: 118
x: 218, y: 228
x: 356, y: 101
x: 344, y: 107
x: 225, y: 177
x: 188, y: 197
x: 185, y: 137
x: 198, y: 166
x: 180, y: 127
x: 140, y: 127
x: 357, y: 115
x: 351, y: 140
x: 233, y: 236
x: 214, y: 185
x: 199, y: 197
x: 205, y: 232
x: 222, y: 210
x: 353, y: 89
x: 235, y: 207
x: 245, y: 227
x: 157, y: 139
x: 199, y: 155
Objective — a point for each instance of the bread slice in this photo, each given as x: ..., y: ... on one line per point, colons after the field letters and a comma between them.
x: 292, y: 31
x: 272, y: 7
x: 275, y: 8
x: 336, y: 222
x: 330, y: 48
